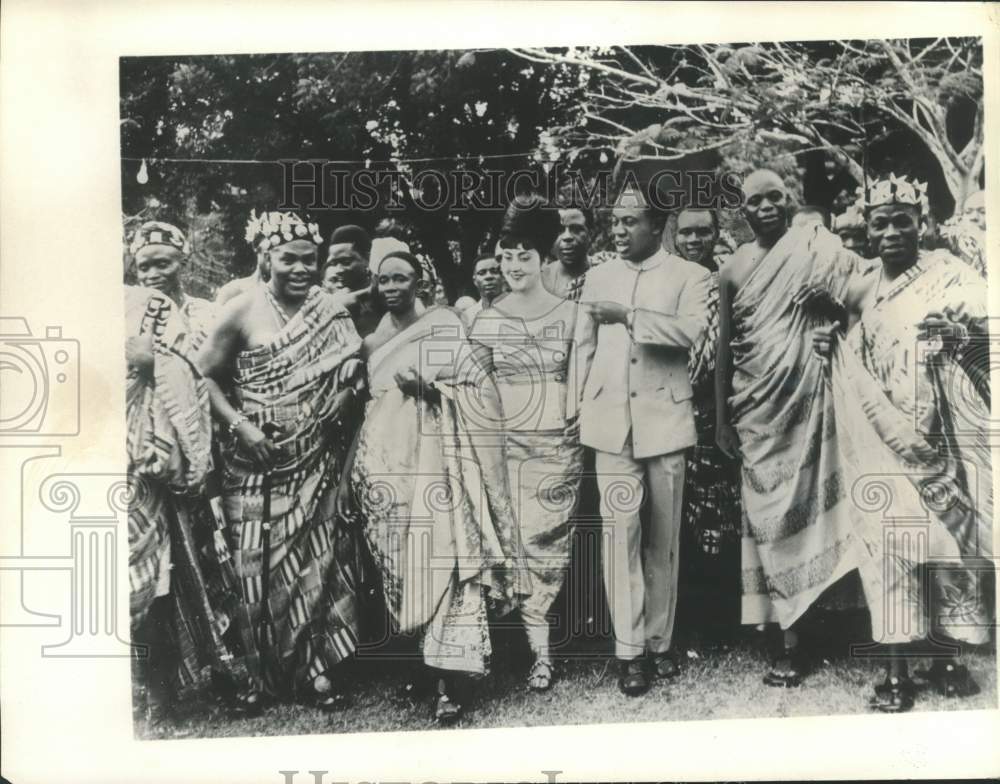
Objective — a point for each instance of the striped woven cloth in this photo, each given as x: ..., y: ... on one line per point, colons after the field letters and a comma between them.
x: 292, y: 382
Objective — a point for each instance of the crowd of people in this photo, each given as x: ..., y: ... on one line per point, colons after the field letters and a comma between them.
x: 330, y: 426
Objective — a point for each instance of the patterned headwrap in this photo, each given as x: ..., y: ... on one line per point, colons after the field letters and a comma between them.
x: 894, y: 190
x: 157, y: 233
x: 382, y: 247
x: 271, y: 229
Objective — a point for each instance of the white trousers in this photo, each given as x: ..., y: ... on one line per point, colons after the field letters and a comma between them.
x: 640, y: 572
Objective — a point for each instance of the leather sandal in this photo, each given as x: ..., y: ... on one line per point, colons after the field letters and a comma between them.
x: 893, y: 695
x: 249, y: 703
x: 633, y: 680
x: 327, y: 697
x: 446, y: 711
x: 788, y: 670
x: 541, y: 675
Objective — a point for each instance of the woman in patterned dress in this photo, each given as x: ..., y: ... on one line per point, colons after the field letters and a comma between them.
x: 428, y: 482
x: 529, y: 334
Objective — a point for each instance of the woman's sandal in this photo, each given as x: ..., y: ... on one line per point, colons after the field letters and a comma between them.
x: 540, y: 676
x: 446, y: 711
x: 893, y: 695
x: 950, y: 679
x: 788, y: 670
x: 329, y: 699
x: 249, y: 703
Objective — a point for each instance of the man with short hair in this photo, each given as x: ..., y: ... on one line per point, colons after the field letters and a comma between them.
x: 565, y: 276
x: 965, y: 232
x: 645, y: 309
x: 906, y: 426
x: 286, y: 353
x: 850, y: 227
x: 711, y: 531
x: 345, y: 274
x: 775, y: 413
x: 489, y: 283
x: 168, y: 450
x: 160, y: 251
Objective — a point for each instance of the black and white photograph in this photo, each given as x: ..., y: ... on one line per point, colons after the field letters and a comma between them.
x: 534, y: 386
x: 453, y: 391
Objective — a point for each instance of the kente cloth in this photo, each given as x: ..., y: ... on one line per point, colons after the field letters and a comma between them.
x: 601, y: 256
x: 430, y: 485
x: 531, y: 360
x: 967, y: 241
x: 173, y: 547
x: 293, y: 382
x: 168, y: 440
x: 797, y: 538
x: 913, y: 432
x: 564, y: 286
x: 711, y: 480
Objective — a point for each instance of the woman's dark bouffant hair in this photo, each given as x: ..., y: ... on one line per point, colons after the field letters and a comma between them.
x: 531, y: 223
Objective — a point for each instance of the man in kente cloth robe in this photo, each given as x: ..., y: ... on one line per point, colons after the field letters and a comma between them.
x: 283, y: 351
x: 169, y: 444
x: 160, y: 252
x: 913, y: 432
x: 775, y: 413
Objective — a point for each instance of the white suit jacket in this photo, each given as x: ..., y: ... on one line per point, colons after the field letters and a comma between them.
x: 638, y: 380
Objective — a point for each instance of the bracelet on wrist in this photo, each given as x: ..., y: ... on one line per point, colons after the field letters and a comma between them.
x: 240, y: 419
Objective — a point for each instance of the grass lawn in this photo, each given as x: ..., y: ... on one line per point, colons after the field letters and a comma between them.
x: 715, y: 683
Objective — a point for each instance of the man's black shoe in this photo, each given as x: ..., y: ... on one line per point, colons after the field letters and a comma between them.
x: 633, y: 680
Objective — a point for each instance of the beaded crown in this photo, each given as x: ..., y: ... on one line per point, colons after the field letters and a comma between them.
x: 271, y: 229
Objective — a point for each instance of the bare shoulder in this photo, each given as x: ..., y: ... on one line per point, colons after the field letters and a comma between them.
x: 233, y: 289
x: 738, y: 265
x: 239, y: 305
x: 861, y: 286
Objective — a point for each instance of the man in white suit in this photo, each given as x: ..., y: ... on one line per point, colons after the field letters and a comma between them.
x: 648, y: 307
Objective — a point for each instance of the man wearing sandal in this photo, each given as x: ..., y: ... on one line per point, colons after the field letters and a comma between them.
x: 775, y: 414
x: 910, y: 435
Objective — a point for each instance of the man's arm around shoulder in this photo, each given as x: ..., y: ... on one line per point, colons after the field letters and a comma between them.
x: 685, y: 327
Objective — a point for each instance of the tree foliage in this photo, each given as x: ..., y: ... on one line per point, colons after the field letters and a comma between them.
x: 472, y: 110
x: 842, y: 96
